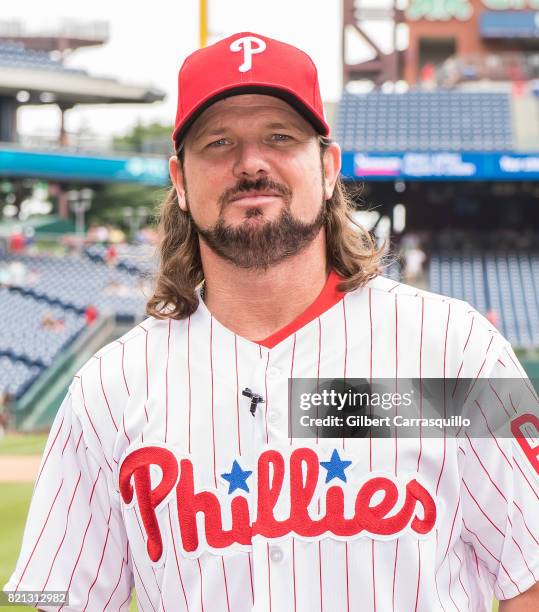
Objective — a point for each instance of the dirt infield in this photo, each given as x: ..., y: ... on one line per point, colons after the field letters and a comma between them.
x: 19, y: 468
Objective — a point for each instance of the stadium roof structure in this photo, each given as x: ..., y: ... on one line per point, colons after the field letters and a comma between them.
x: 48, y: 81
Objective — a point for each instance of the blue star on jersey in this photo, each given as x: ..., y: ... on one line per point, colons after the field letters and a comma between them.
x: 335, y: 467
x: 237, y: 478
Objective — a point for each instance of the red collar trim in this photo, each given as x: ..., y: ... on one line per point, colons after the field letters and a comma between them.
x: 329, y: 296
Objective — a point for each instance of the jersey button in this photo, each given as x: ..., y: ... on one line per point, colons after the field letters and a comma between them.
x: 273, y: 373
x: 276, y: 554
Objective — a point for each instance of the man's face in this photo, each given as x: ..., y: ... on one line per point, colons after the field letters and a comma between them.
x: 253, y: 179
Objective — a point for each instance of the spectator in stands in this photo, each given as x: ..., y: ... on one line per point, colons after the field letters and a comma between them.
x: 17, y: 241
x: 90, y: 314
x: 49, y: 321
x: 493, y: 317
x: 17, y: 273
x: 111, y: 255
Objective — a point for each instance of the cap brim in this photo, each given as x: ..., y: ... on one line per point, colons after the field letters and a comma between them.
x: 319, y: 125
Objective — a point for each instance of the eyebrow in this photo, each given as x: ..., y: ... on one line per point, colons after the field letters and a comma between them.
x: 276, y: 125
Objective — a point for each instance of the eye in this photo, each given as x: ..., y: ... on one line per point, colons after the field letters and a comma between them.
x: 281, y: 137
x: 217, y: 143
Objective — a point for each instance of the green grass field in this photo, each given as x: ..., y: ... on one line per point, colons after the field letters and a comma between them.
x: 22, y: 444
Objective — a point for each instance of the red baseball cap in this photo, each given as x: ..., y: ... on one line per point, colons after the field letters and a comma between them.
x: 248, y: 63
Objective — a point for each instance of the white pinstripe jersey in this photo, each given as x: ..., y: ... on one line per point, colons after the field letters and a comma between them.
x: 156, y: 475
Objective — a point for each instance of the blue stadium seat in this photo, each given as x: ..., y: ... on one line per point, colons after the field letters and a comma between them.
x: 424, y: 121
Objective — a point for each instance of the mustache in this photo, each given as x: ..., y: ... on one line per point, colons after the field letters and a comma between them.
x: 261, y: 184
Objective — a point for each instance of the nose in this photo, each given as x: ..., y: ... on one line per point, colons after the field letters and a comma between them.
x: 250, y: 161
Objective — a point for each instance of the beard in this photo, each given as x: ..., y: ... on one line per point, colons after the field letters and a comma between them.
x: 254, y: 245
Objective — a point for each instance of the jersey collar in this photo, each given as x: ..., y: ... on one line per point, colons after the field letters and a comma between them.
x: 328, y: 297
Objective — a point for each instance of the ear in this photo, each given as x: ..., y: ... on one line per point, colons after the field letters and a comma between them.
x: 176, y: 176
x: 332, y: 167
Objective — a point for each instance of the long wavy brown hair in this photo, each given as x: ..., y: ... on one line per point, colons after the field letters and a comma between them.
x: 351, y: 251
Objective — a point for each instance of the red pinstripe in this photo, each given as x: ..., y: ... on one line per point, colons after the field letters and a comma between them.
x: 49, y: 452
x: 524, y: 558
x: 116, y: 586
x: 450, y: 583
x: 79, y: 555
x: 457, y: 378
x: 143, y: 585
x: 469, y: 334
x: 266, y: 397
x: 345, y: 356
x: 318, y: 376
x: 294, y: 570
x: 123, y: 369
x: 212, y: 400
x: 290, y: 390
x: 493, y: 436
x: 396, y: 378
x: 147, y: 379
x: 65, y: 532
x: 91, y: 422
x: 394, y: 575
x: 269, y: 574
x: 525, y: 478
x: 524, y: 380
x: 105, y: 396
x: 460, y: 580
x: 421, y: 382
x: 451, y: 531
x: 226, y: 585
x: 40, y: 534
x: 481, y: 509
x: 237, y: 392
x: 320, y: 573
x: 512, y: 405
x: 67, y: 439
x: 476, y: 377
x: 444, y: 377
x: 176, y: 558
x: 344, y: 446
x: 370, y: 373
x: 396, y: 443
x: 100, y: 562
x: 373, y: 576
x: 491, y: 554
x: 166, y: 381
x: 78, y: 442
x: 436, y: 576
x: 189, y: 380
x: 484, y: 468
x: 525, y: 525
x: 251, y: 577
x: 153, y: 568
x: 418, y: 573
x: 499, y: 399
x: 373, y: 561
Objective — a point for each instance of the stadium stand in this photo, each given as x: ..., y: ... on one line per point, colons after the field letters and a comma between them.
x: 76, y: 282
x: 504, y: 282
x: 424, y: 121
x: 42, y: 307
x: 15, y: 55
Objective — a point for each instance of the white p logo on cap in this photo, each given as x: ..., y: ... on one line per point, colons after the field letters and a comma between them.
x: 247, y: 45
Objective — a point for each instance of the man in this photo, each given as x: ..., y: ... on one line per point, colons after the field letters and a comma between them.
x: 172, y: 465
